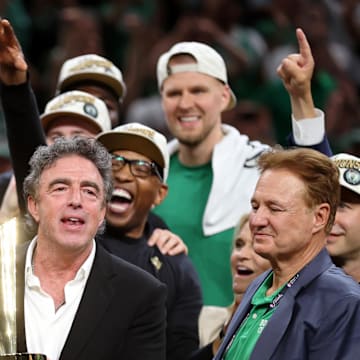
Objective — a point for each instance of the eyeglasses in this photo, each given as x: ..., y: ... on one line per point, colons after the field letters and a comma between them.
x: 138, y: 168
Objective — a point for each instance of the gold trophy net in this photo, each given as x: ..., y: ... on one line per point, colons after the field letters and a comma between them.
x: 8, y: 341
x: 8, y: 236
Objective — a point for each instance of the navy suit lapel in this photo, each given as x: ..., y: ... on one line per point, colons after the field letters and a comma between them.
x: 97, y: 295
x: 272, y: 334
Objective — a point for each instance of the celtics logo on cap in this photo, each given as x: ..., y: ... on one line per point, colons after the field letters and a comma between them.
x: 352, y: 176
x: 90, y: 109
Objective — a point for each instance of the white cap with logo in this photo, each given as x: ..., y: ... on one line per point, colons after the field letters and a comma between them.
x: 208, y: 61
x: 141, y: 139
x: 91, y: 67
x: 349, y: 167
x: 80, y: 105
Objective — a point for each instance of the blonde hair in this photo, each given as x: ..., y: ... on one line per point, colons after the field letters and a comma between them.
x: 239, y: 226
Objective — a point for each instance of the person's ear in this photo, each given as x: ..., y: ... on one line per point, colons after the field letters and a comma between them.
x: 33, y: 208
x: 161, y: 194
x: 225, y: 97
x: 321, y: 216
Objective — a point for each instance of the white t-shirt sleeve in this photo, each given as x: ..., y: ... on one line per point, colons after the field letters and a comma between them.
x: 309, y: 131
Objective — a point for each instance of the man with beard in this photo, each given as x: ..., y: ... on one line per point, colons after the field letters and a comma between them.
x: 212, y: 166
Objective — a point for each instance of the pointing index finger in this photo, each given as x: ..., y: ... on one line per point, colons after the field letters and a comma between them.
x: 304, y: 47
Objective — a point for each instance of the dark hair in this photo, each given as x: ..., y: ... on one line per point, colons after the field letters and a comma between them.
x: 45, y: 156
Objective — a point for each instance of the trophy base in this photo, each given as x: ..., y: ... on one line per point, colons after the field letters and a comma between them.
x: 23, y: 356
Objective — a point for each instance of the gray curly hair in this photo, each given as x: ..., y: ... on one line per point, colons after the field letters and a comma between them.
x: 45, y: 156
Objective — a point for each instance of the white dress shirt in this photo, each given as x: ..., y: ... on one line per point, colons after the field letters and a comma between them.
x: 46, y: 328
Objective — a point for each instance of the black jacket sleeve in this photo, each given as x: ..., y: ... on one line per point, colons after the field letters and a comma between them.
x: 24, y: 130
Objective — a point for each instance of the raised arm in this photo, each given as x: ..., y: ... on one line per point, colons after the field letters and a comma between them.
x: 296, y: 71
x: 308, y: 123
x: 23, y: 126
x: 13, y: 66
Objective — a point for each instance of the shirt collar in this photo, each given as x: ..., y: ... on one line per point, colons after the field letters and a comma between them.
x: 83, y: 272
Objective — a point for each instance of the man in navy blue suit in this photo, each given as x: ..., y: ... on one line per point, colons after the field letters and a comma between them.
x: 304, y: 307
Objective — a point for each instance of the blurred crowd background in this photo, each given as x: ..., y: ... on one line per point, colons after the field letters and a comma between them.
x: 252, y: 35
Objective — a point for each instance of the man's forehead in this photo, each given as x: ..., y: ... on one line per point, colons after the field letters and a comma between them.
x: 72, y: 164
x: 188, y: 77
x: 279, y: 183
x: 64, y: 123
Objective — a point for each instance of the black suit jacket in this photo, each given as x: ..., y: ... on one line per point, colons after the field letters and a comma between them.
x: 121, y: 314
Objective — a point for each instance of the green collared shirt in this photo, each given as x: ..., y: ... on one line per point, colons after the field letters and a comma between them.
x: 255, y: 322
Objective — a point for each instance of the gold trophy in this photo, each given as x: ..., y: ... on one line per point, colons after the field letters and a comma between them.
x: 8, y: 331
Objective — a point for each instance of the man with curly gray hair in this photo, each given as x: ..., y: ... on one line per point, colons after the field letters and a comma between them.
x: 45, y: 157
x: 77, y: 298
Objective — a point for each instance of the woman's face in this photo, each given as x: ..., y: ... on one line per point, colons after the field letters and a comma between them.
x: 246, y: 265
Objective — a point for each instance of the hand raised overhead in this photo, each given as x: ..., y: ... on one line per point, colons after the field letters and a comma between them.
x: 13, y: 67
x: 296, y: 70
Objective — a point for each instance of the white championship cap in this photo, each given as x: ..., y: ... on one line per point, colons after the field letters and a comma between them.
x: 208, y: 61
x: 141, y: 139
x: 91, y: 67
x: 349, y: 167
x: 79, y: 104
